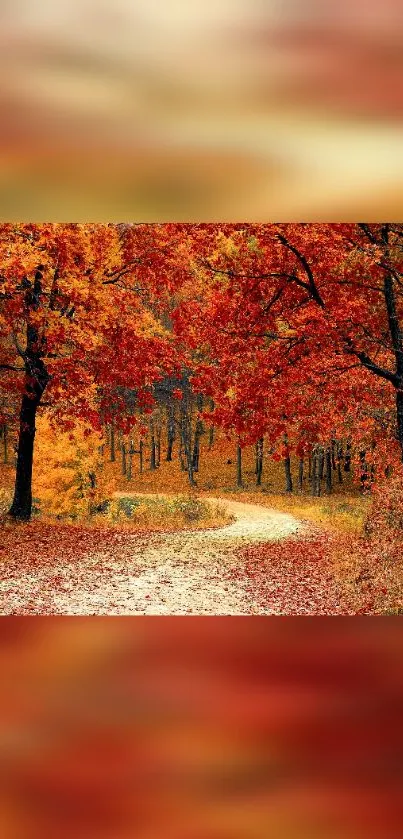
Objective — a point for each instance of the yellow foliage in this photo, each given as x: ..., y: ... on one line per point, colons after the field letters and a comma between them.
x: 68, y: 469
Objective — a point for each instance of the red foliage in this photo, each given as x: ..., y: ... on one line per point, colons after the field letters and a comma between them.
x: 295, y: 330
x: 295, y: 576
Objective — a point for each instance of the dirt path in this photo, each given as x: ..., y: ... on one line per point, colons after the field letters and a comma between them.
x: 183, y: 573
x: 253, y: 522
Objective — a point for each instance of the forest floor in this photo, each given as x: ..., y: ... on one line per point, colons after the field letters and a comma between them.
x: 264, y: 562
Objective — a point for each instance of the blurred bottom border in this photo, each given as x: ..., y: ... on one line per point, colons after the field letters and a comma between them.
x: 201, y: 728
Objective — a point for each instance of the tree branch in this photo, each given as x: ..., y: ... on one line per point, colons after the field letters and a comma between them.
x: 370, y: 365
x: 310, y: 286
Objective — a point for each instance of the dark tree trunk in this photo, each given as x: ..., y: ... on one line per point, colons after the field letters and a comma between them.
x: 317, y: 471
x: 333, y: 454
x: 152, y: 447
x: 239, y: 481
x: 396, y: 332
x: 124, y: 459
x: 287, y: 467
x: 196, y: 453
x: 199, y: 431
x: 170, y: 433
x: 36, y: 381
x: 186, y: 450
x: 347, y: 458
x: 21, y: 507
x: 158, y: 447
x: 259, y: 461
x: 288, y: 475
x: 181, y: 458
x: 188, y: 460
x: 399, y: 413
x: 301, y: 474
x: 170, y: 449
x: 328, y: 470
x: 130, y: 461
x: 112, y: 444
x: 314, y: 473
x: 364, y: 471
x: 211, y: 430
x: 321, y: 470
x: 339, y: 460
x: 170, y: 445
x: 190, y: 469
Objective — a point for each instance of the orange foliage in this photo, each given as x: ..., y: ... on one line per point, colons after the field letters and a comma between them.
x: 68, y: 471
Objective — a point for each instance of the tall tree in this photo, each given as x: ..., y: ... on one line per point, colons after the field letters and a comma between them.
x: 75, y: 323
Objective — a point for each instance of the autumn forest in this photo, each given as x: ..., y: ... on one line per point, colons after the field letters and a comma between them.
x: 201, y: 418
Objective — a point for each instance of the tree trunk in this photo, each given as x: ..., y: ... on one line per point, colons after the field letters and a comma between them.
x: 130, y: 461
x: 152, y: 447
x: 259, y: 461
x: 196, y: 453
x: 399, y: 413
x: 314, y: 473
x: 321, y: 469
x: 211, y: 430
x: 170, y: 433
x: 239, y: 481
x: 170, y: 445
x: 328, y: 470
x: 113, y: 450
x: 188, y: 460
x: 288, y: 476
x: 158, y: 445
x: 21, y: 507
x: 141, y: 446
x: 199, y: 431
x: 287, y: 467
x: 124, y: 460
x: 301, y: 474
x: 190, y: 468
x: 347, y: 458
x: 333, y: 454
x: 364, y: 471
x: 317, y: 471
x: 181, y: 458
x: 36, y: 381
x: 339, y: 460
x: 186, y: 449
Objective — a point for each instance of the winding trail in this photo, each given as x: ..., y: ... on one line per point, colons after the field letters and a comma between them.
x: 191, y: 572
x: 253, y: 523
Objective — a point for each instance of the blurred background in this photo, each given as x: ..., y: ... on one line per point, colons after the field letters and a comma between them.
x: 210, y: 110
x: 221, y: 729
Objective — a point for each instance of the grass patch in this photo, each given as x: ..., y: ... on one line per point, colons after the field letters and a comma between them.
x: 162, y: 513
